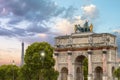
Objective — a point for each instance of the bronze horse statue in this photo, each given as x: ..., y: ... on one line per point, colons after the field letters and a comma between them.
x: 85, y: 28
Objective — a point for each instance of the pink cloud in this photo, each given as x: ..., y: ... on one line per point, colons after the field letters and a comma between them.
x: 7, y: 56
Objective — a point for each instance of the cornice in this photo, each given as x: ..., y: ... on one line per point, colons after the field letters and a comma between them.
x: 85, y: 48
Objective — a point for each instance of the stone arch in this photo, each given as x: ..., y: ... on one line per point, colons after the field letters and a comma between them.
x: 64, y: 73
x: 79, y: 58
x: 79, y: 54
x: 79, y: 67
x: 98, y: 73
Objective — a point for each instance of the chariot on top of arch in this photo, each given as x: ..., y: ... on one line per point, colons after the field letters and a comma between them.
x: 85, y: 28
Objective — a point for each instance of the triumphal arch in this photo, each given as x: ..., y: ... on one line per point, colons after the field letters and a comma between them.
x: 99, y: 51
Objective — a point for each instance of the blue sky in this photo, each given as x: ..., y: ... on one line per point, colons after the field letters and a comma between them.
x: 42, y: 20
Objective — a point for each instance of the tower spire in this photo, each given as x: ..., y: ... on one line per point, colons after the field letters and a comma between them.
x: 22, y: 54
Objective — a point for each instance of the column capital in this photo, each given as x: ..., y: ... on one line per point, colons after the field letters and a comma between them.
x: 69, y: 52
x: 56, y: 53
x: 104, y: 51
x: 89, y: 51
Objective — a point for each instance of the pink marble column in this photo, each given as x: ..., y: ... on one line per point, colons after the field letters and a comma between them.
x: 104, y: 64
x: 56, y: 60
x: 89, y: 65
x: 69, y: 65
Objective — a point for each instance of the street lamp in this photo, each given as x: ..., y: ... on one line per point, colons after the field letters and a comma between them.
x: 42, y: 55
x: 13, y: 63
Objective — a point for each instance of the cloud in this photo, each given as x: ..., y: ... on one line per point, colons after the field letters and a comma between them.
x: 29, y: 17
x: 12, y: 33
x: 78, y: 20
x: 5, y: 59
x: 19, y: 32
x: 70, y: 11
x: 117, y: 34
x: 29, y: 9
x: 15, y: 20
x: 6, y: 32
x: 37, y: 28
x: 57, y: 26
x: 38, y: 38
x: 116, y: 31
x: 90, y: 12
x: 64, y: 26
x: 24, y: 19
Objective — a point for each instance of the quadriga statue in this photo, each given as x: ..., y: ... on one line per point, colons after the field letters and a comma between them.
x: 85, y: 28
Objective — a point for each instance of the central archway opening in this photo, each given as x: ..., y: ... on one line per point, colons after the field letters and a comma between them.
x: 98, y: 73
x: 81, y: 63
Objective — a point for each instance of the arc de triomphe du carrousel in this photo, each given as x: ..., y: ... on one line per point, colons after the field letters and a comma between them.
x: 99, y: 49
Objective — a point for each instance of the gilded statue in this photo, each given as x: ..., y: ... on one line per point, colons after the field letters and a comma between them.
x: 91, y: 28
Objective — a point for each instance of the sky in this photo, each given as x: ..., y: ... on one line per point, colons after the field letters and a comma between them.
x: 29, y: 21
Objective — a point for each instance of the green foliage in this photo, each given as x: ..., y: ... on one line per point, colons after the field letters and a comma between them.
x: 37, y: 66
x: 50, y: 74
x: 117, y: 73
x: 25, y: 73
x: 8, y: 72
x: 2, y: 72
x: 85, y: 67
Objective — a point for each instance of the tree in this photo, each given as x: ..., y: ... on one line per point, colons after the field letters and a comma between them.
x: 25, y: 73
x: 38, y: 66
x: 8, y: 72
x: 3, y: 72
x: 12, y: 72
x: 50, y: 74
x: 117, y: 73
x: 85, y: 67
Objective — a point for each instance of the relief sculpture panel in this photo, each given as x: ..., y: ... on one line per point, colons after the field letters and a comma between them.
x: 63, y: 59
x: 96, y: 58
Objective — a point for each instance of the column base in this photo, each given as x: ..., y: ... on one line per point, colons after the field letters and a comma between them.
x: 70, y: 77
x: 105, y: 77
x: 59, y: 77
x: 90, y: 77
x: 116, y: 78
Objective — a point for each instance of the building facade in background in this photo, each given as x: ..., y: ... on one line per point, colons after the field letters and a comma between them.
x: 99, y: 49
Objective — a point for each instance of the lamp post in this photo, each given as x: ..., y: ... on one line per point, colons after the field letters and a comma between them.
x: 13, y: 63
x: 42, y: 55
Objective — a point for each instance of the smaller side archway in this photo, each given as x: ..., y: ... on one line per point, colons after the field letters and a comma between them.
x: 64, y: 73
x: 98, y: 73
